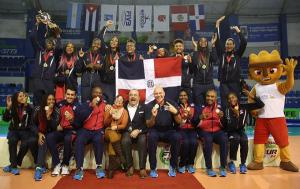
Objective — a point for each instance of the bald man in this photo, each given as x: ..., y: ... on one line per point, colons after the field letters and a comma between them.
x: 162, y: 119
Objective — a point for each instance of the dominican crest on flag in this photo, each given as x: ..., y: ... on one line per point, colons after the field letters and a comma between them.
x: 144, y: 75
x: 91, y: 17
x: 196, y: 17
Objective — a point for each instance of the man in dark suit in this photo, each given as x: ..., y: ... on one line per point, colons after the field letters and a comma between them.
x: 135, y: 133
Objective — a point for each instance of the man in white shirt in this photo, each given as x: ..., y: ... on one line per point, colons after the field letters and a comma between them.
x: 135, y: 133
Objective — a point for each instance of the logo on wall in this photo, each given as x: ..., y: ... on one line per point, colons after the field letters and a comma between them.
x: 108, y: 17
x: 165, y: 155
x: 271, y: 151
x: 161, y: 18
x: 127, y: 18
x: 143, y: 18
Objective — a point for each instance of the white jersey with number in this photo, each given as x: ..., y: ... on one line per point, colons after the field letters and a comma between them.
x: 273, y: 99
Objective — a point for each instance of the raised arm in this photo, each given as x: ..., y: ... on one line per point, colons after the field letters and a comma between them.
x: 285, y: 87
x: 243, y: 42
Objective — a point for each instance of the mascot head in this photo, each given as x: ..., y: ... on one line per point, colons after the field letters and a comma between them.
x: 266, y: 68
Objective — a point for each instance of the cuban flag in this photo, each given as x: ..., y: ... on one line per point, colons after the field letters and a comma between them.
x: 91, y: 17
x: 74, y: 15
x: 196, y: 17
x: 144, y: 75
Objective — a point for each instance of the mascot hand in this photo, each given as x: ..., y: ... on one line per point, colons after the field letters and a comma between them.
x: 290, y: 65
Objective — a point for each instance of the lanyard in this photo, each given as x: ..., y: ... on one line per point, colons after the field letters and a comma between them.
x: 95, y: 60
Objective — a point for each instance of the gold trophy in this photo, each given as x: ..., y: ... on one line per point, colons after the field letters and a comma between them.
x: 53, y: 29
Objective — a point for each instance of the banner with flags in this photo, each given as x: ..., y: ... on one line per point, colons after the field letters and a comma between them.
x: 179, y: 15
x: 91, y: 17
x: 144, y: 75
x: 161, y: 18
x: 108, y: 12
x: 126, y: 18
x: 143, y: 15
x: 74, y: 15
x: 196, y: 17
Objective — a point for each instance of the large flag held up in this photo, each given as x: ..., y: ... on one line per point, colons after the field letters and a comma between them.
x: 126, y: 18
x: 143, y: 15
x: 179, y: 16
x: 196, y: 17
x: 161, y: 18
x: 109, y: 12
x: 74, y: 15
x: 91, y: 17
x: 144, y: 75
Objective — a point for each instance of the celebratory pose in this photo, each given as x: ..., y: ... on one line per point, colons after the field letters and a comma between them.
x: 266, y: 69
x: 229, y: 73
x: 162, y: 117
x: 234, y: 122
x: 115, y: 120
x: 135, y: 132
x: 19, y: 114
x: 45, y: 121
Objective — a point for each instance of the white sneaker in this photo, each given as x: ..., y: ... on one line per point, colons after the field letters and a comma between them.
x: 65, y: 170
x: 56, y: 170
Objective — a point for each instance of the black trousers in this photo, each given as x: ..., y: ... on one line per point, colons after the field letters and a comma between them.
x: 28, y: 141
x: 189, y: 146
x: 141, y: 143
x: 236, y: 139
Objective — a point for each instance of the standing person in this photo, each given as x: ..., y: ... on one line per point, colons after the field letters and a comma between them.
x: 89, y: 67
x: 90, y: 118
x: 20, y: 117
x: 229, y: 73
x: 45, y: 121
x: 188, y: 134
x: 162, y: 116
x: 135, y: 132
x: 210, y: 131
x: 66, y: 75
x: 112, y: 53
x: 234, y: 122
x: 65, y: 133
x: 203, y: 61
x: 44, y: 68
x: 131, y: 55
x: 185, y: 67
x: 115, y: 120
x: 155, y: 52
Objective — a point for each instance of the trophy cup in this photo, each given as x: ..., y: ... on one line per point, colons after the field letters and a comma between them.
x: 52, y: 29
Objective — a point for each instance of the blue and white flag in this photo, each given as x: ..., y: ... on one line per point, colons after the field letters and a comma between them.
x: 196, y: 17
x: 108, y: 12
x: 74, y: 15
x: 143, y: 15
x: 91, y: 17
x: 126, y: 18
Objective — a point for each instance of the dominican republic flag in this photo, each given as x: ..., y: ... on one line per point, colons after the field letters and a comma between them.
x: 74, y: 15
x: 179, y: 16
x: 196, y: 17
x: 91, y: 17
x: 144, y: 75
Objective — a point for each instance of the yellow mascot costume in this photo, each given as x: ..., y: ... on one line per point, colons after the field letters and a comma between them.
x: 266, y: 69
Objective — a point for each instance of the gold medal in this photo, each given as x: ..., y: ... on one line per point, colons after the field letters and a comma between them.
x: 203, y: 66
x: 111, y: 68
x: 67, y: 72
x: 45, y: 65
